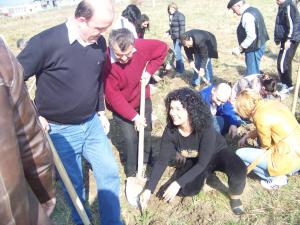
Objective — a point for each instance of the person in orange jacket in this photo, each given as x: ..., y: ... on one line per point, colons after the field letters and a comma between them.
x: 279, y: 136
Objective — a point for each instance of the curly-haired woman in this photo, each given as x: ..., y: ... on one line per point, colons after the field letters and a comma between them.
x: 199, y: 150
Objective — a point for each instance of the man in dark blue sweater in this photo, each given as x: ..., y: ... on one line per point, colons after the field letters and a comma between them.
x: 68, y: 62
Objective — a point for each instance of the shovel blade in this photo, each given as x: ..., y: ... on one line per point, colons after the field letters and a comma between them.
x: 134, y: 187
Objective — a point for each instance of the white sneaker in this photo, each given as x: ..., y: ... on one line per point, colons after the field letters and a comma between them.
x: 291, y: 88
x: 285, y: 89
x: 274, y: 183
x: 282, y: 96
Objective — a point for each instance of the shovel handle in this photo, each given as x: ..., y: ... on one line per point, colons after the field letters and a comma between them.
x: 296, y: 93
x: 141, y: 130
x: 203, y: 77
x: 66, y: 180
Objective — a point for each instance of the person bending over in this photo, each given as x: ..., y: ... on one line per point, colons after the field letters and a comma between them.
x: 279, y: 137
x: 226, y: 121
x: 200, y: 46
x: 128, y: 61
x: 191, y: 138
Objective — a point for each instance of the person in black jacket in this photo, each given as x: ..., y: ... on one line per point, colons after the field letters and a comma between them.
x: 251, y: 34
x: 287, y: 34
x: 200, y: 46
x: 177, y: 28
x: 191, y: 139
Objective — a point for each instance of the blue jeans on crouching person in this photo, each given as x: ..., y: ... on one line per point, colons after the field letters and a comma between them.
x: 196, y: 80
x: 88, y: 140
x: 178, y: 56
x: 253, y: 59
x: 249, y: 155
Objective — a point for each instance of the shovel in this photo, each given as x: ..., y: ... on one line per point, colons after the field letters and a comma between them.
x: 296, y: 93
x: 68, y: 184
x: 202, y: 76
x: 135, y: 185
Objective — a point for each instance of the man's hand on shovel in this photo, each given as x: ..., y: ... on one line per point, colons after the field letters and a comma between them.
x: 201, y: 74
x: 139, y: 122
x: 146, y: 77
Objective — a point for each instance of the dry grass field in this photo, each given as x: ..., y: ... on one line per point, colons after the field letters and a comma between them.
x: 211, y: 206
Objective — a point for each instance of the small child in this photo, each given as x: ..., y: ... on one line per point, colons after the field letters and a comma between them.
x: 143, y: 25
x: 264, y: 85
x: 21, y: 43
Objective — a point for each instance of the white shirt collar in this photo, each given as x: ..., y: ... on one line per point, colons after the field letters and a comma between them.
x: 74, y: 35
x: 113, y: 58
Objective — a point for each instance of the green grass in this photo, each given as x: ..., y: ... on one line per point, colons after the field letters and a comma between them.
x: 262, y: 207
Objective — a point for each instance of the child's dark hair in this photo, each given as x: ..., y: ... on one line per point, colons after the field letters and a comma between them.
x: 268, y: 83
x: 143, y: 19
x: 21, y: 43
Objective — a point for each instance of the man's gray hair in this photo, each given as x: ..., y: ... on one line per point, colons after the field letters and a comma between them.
x: 122, y: 37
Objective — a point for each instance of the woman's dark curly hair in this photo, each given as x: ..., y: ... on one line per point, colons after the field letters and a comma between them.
x: 132, y: 13
x: 197, y: 109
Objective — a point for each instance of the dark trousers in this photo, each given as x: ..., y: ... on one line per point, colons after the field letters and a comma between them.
x: 284, y: 63
x: 225, y: 161
x: 130, y: 140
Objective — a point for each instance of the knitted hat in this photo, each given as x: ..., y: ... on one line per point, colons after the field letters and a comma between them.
x: 232, y: 3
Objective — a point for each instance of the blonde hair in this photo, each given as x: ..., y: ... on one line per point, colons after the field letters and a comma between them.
x: 246, y: 103
x: 172, y: 5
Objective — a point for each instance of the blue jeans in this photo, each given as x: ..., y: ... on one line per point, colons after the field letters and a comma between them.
x: 196, y: 80
x: 72, y: 141
x: 178, y: 56
x: 249, y: 155
x: 252, y: 60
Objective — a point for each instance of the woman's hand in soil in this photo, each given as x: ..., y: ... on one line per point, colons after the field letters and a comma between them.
x: 144, y: 198
x: 242, y: 141
x: 171, y: 191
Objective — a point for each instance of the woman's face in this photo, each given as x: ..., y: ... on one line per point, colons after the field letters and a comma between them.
x: 145, y: 24
x: 178, y: 114
x: 172, y: 10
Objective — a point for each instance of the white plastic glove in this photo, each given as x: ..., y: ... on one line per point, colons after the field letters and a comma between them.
x: 171, y: 191
x: 236, y: 51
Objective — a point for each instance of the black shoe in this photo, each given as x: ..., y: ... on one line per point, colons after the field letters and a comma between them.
x: 236, y: 207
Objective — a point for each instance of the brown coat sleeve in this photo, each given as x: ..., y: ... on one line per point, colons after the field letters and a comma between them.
x: 26, y: 164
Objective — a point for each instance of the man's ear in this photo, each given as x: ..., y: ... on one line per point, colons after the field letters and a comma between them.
x: 81, y: 21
